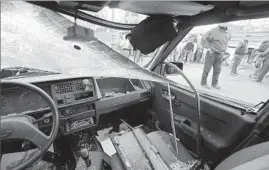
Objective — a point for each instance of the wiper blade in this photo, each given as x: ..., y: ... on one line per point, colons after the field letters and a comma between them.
x: 227, y: 100
x: 18, y: 72
x: 253, y: 110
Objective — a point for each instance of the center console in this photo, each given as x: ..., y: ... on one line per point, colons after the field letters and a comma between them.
x: 77, y: 118
x: 75, y: 102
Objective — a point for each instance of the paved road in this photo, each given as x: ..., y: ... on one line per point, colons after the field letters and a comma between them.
x: 237, y: 87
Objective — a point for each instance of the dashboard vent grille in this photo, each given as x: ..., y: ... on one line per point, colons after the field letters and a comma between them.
x: 65, y: 87
x: 79, y: 86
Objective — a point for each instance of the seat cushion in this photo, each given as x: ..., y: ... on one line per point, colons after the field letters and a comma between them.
x: 253, y: 156
x: 164, y: 143
x: 136, y: 151
x: 116, y: 162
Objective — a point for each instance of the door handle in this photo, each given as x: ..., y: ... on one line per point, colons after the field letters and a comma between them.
x: 187, y: 129
x: 185, y: 125
x: 173, y: 97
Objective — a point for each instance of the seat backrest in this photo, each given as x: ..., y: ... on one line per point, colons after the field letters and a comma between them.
x: 255, y: 158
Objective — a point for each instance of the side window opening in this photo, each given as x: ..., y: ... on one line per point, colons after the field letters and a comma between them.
x: 241, y: 65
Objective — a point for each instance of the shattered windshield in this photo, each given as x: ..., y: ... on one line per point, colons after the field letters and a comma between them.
x: 32, y: 37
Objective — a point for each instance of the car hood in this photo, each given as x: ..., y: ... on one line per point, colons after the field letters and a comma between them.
x: 32, y: 36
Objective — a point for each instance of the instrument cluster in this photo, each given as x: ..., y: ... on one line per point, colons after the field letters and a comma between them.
x: 73, y: 91
x: 80, y: 101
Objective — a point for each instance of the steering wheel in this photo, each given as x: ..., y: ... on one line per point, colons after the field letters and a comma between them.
x: 22, y: 127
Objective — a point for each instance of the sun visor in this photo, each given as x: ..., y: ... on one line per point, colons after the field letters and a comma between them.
x: 152, y: 33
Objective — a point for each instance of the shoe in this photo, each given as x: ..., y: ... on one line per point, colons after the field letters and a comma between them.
x: 234, y: 74
x: 205, y: 86
x: 255, y: 79
x: 216, y: 87
x: 252, y: 76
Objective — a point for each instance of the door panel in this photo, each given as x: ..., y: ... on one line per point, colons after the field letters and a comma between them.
x: 223, y: 126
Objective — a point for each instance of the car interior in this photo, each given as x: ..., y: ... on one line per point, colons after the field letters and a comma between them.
x: 109, y: 100
x: 65, y: 119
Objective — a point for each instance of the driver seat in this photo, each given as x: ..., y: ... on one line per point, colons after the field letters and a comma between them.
x: 254, y: 157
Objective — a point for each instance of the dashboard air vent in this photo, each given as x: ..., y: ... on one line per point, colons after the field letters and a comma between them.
x: 65, y: 87
x: 79, y: 86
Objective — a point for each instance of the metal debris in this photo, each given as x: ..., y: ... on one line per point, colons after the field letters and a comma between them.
x: 179, y: 165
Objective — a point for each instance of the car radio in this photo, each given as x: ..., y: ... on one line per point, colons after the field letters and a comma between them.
x: 70, y: 125
x: 87, y: 109
x: 77, y: 117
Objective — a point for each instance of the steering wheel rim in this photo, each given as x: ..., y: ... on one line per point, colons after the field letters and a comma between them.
x: 14, y: 124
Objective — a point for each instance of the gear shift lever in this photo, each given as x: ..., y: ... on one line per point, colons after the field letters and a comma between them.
x: 85, y: 156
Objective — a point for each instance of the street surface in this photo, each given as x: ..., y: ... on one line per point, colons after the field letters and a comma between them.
x: 238, y: 87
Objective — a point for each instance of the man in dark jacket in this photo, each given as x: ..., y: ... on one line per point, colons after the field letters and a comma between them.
x: 239, y: 54
x: 216, y: 41
x: 261, y: 61
x: 264, y: 68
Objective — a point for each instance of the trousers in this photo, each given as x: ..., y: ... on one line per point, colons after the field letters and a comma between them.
x: 264, y: 70
x: 187, y: 56
x: 212, y: 59
x: 236, y: 61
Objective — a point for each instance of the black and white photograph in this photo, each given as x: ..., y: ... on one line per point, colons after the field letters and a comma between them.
x: 134, y: 85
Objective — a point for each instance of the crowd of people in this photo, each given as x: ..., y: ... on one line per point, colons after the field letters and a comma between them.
x: 216, y: 41
x: 211, y: 49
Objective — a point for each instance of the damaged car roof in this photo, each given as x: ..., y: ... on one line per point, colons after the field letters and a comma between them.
x: 192, y: 12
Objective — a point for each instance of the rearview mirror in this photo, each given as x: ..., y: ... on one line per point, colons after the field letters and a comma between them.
x: 79, y: 33
x: 169, y: 70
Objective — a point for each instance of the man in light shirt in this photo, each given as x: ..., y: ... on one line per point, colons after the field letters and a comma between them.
x: 216, y: 42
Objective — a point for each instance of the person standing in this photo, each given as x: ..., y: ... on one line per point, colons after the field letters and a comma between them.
x: 265, y: 66
x: 240, y: 52
x: 258, y: 60
x: 188, y: 51
x: 216, y: 42
x: 250, y: 50
x: 195, y: 43
x: 199, y: 50
x: 198, y: 54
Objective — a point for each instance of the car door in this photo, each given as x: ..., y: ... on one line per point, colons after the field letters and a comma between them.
x: 223, y: 126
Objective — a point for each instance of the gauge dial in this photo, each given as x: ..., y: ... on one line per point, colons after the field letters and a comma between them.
x: 30, y: 98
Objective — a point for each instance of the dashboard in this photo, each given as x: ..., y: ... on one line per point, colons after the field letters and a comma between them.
x: 80, y: 101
